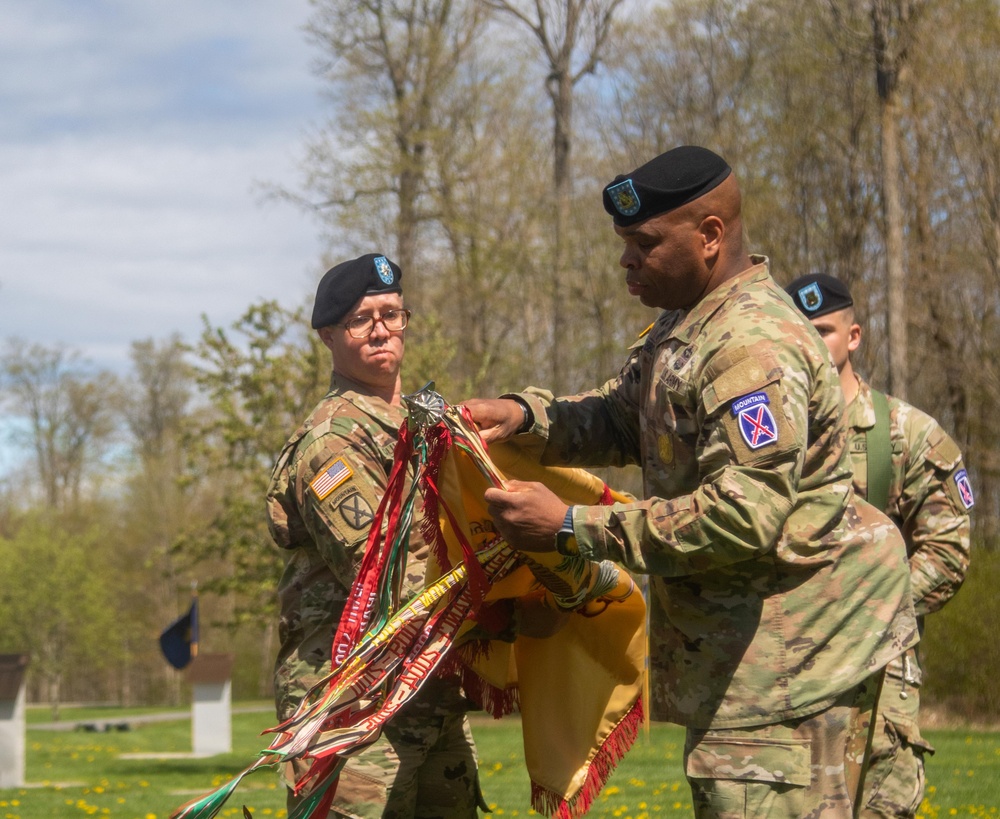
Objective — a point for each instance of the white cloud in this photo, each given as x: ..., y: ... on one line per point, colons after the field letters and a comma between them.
x: 133, y: 135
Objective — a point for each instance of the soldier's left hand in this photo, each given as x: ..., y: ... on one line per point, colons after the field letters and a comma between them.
x: 528, y: 514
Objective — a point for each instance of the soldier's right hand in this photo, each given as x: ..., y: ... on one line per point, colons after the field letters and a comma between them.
x: 497, y: 418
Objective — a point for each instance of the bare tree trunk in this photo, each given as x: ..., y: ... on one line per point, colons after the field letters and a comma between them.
x: 892, y: 30
x: 561, y: 92
x: 895, y: 268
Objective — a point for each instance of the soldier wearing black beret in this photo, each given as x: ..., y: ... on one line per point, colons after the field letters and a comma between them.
x: 819, y: 294
x: 665, y: 183
x: 908, y: 466
x: 776, y: 599
x: 324, y: 491
x: 344, y: 284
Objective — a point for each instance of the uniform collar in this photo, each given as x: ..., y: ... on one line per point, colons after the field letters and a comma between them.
x: 372, y: 405
x: 862, y: 410
x: 690, y: 322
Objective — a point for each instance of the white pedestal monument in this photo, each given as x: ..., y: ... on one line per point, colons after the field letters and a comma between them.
x: 211, y: 707
x: 12, y: 726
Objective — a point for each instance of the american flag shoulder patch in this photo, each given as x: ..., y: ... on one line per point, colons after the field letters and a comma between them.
x: 330, y: 477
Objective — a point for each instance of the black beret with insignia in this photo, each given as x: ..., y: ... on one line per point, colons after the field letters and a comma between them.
x: 818, y: 294
x: 343, y: 285
x: 670, y: 180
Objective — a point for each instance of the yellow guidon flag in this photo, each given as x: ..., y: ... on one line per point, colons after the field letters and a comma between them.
x: 577, y: 684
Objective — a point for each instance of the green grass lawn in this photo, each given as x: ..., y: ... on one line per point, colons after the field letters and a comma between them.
x: 78, y: 774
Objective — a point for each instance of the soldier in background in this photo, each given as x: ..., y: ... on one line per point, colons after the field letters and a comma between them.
x: 907, y: 465
x: 325, y: 487
x: 776, y: 597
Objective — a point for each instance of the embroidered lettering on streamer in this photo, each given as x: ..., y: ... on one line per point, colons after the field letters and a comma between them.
x: 330, y: 478
x: 964, y: 488
x: 757, y: 424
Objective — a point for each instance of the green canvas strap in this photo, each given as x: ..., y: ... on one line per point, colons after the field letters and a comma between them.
x: 879, y: 453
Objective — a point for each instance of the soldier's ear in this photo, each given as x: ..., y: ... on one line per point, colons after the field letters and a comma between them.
x: 326, y: 336
x: 712, y: 230
x: 853, y: 337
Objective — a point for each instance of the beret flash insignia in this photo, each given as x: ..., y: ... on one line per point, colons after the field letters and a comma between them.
x: 383, y: 269
x: 625, y: 198
x: 811, y: 297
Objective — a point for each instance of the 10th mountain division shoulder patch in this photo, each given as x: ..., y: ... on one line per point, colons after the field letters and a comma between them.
x: 756, y: 423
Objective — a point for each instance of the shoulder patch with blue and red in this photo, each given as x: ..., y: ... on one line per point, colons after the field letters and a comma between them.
x: 756, y: 423
x: 964, y: 489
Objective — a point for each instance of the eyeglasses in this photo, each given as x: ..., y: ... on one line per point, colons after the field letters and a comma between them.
x: 363, y: 326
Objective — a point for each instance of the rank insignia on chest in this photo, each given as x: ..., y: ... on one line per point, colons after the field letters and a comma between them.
x: 332, y: 476
x: 964, y: 488
x: 757, y: 424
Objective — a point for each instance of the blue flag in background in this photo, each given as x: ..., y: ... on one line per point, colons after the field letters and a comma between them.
x: 179, y: 641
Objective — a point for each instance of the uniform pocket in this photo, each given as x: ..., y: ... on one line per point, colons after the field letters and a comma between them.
x: 754, y: 760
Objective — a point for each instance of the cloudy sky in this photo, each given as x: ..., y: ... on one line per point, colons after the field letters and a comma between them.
x: 134, y: 139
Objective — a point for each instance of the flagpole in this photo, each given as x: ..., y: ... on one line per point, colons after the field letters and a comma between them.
x: 194, y: 618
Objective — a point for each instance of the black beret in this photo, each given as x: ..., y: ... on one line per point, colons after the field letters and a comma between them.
x: 343, y: 285
x: 670, y: 180
x: 818, y: 294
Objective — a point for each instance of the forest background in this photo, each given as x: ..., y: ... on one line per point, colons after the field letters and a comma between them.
x: 469, y: 140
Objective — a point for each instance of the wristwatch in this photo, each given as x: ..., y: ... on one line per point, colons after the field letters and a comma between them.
x: 529, y: 416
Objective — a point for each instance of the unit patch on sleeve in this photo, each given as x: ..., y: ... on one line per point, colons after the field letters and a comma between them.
x: 964, y: 488
x: 330, y: 477
x: 757, y: 425
x: 356, y: 512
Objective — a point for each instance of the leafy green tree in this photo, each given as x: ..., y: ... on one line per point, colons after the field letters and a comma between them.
x: 258, y: 380
x: 157, y: 398
x: 57, y: 599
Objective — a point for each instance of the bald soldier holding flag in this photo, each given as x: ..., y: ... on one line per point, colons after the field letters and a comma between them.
x: 777, y: 595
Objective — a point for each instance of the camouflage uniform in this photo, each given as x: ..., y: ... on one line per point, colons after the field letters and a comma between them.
x: 929, y: 500
x: 769, y: 607
x: 325, y: 487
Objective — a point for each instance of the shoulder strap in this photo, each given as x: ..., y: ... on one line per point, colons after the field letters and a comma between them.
x: 879, y: 453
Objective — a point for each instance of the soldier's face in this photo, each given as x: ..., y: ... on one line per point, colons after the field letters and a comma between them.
x: 374, y: 361
x: 665, y: 260
x: 840, y: 334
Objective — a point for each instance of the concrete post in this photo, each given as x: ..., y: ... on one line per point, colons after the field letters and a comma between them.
x: 211, y: 707
x: 12, y: 723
